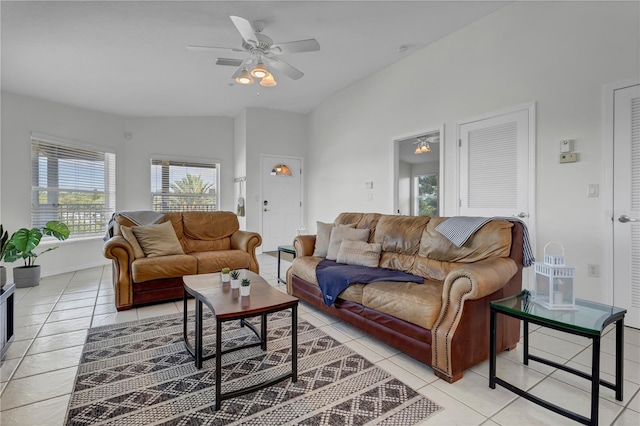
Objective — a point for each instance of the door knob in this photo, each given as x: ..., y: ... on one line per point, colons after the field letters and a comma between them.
x: 521, y: 215
x: 624, y: 219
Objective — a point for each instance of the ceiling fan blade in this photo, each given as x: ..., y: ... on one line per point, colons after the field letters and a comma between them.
x: 210, y: 48
x: 310, y: 45
x: 229, y: 61
x: 282, y: 66
x: 245, y: 29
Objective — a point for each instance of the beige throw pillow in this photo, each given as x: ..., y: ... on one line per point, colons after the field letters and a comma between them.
x: 158, y: 240
x: 322, y: 237
x: 359, y: 253
x: 340, y: 233
x: 128, y: 235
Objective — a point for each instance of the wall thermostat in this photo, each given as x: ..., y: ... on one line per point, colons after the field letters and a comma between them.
x: 566, y: 145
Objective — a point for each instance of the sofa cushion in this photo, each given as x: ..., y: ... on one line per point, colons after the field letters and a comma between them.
x: 151, y: 268
x: 361, y: 220
x: 209, y: 225
x: 340, y: 233
x: 323, y: 235
x: 128, y: 235
x: 192, y: 246
x: 158, y: 240
x: 359, y: 253
x: 492, y: 240
x: 418, y: 304
x: 400, y: 234
x: 214, y: 261
x: 305, y: 268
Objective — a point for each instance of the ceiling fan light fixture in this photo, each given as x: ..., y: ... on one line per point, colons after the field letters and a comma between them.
x: 244, y: 78
x: 268, y: 81
x: 417, y: 151
x: 425, y: 147
x: 260, y: 70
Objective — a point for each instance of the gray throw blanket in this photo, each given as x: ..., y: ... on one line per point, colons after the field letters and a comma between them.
x: 335, y: 277
x: 139, y: 217
x: 459, y: 229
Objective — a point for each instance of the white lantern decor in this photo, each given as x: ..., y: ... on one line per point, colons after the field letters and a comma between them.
x: 554, y: 282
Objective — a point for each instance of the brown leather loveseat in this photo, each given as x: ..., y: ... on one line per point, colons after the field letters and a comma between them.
x: 208, y: 242
x: 443, y: 322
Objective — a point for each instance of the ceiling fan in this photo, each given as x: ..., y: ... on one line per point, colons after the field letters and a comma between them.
x: 264, y: 54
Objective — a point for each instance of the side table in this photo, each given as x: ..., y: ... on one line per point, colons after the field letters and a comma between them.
x: 589, y: 319
x: 285, y: 249
x: 7, y: 317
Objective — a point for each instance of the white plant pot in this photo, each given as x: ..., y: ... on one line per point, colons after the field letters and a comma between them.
x: 3, y: 276
x: 245, y: 290
x: 225, y: 278
x: 235, y: 283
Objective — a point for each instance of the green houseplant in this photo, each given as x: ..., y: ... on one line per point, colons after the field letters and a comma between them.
x: 245, y: 287
x: 225, y: 274
x: 4, y: 243
x: 235, y: 279
x: 22, y: 245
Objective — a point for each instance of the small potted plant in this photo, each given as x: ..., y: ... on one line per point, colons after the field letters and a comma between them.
x: 245, y: 287
x: 21, y: 246
x: 235, y: 279
x: 225, y: 275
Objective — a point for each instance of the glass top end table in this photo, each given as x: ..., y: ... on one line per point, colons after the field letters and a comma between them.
x: 588, y: 319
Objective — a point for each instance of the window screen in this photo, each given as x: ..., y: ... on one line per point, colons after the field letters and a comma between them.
x: 183, y: 185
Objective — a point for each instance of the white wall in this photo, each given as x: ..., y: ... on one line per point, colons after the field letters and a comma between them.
x: 240, y: 158
x: 558, y: 54
x: 404, y: 188
x: 22, y: 115
x: 190, y: 137
x: 269, y: 131
x: 197, y: 137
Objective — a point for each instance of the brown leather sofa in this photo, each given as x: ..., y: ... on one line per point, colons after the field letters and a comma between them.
x: 443, y: 322
x: 210, y: 240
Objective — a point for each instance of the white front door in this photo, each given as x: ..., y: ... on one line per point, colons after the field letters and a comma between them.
x: 626, y: 203
x: 281, y: 201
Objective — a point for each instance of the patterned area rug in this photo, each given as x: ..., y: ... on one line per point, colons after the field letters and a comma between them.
x: 139, y: 373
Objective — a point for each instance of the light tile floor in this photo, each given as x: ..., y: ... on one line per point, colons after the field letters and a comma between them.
x: 39, y: 369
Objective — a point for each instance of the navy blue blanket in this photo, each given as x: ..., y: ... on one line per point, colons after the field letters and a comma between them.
x: 335, y: 277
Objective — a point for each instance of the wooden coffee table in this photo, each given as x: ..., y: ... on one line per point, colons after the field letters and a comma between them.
x: 226, y: 304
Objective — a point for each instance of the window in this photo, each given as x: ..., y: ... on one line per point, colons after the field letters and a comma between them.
x: 184, y: 185
x: 72, y: 184
x: 426, y: 195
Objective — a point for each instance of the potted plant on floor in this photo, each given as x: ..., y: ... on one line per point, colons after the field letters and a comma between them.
x: 235, y: 279
x: 4, y: 243
x: 245, y: 287
x: 22, y: 245
x: 225, y: 274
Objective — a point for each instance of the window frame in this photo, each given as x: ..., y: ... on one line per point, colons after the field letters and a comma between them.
x: 107, y: 208
x: 191, y: 161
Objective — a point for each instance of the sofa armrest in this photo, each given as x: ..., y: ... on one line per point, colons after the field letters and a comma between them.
x: 121, y: 252
x: 468, y: 282
x: 304, y: 245
x: 247, y: 241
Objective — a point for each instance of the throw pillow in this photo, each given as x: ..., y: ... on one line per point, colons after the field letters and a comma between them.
x: 127, y: 234
x: 340, y: 233
x: 158, y: 240
x: 322, y: 237
x: 359, y: 253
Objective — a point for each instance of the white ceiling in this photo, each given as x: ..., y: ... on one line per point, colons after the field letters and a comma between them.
x: 129, y: 58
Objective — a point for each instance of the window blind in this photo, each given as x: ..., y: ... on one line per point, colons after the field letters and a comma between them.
x: 72, y: 184
x: 184, y: 185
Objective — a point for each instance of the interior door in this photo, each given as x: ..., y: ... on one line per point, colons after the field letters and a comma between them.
x: 494, y: 166
x: 497, y: 170
x: 626, y: 202
x: 281, y: 201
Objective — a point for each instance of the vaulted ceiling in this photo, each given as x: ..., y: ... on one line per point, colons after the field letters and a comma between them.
x: 129, y: 57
